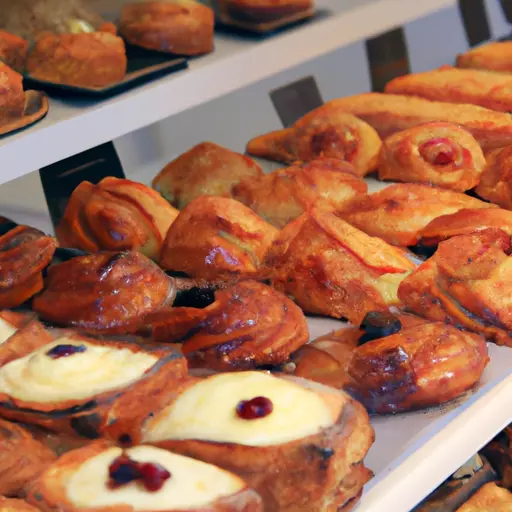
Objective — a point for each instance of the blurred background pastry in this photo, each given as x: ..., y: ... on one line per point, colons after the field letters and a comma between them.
x: 494, y: 56
x: 13, y: 50
x: 261, y: 11
x: 496, y: 180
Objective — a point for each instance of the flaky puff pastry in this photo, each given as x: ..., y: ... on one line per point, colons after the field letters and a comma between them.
x: 106, y: 292
x: 489, y: 498
x: 184, y: 27
x: 331, y: 268
x: 422, y: 364
x: 399, y: 212
x: 496, y: 180
x: 324, y: 132
x: 248, y: 325
x: 13, y: 50
x: 467, y: 283
x: 487, y: 89
x: 281, y: 196
x: 434, y: 153
x: 217, y: 236
x: 205, y: 169
x: 391, y: 113
x: 15, y: 505
x: 496, y: 56
x: 261, y: 11
x: 116, y: 215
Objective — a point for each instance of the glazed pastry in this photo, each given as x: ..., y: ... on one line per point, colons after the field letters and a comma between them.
x: 206, y: 169
x: 144, y: 478
x: 496, y: 181
x: 71, y: 384
x: 22, y: 459
x: 331, y: 268
x: 116, y: 215
x: 492, y: 56
x: 323, y: 132
x: 248, y: 325
x: 487, y: 89
x: 24, y: 253
x: 465, y: 284
x: 12, y: 98
x: 216, y: 236
x: 262, y: 11
x: 434, y: 153
x: 13, y: 50
x: 391, y: 113
x: 396, y: 363
x: 106, y: 292
x: 489, y: 498
x: 299, y: 444
x: 399, y: 212
x: 281, y: 196
x: 184, y: 27
x: 15, y: 505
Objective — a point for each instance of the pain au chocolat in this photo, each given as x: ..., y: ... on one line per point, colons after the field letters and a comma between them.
x: 399, y: 212
x: 396, y: 363
x: 495, y: 56
x: 106, y: 292
x: 331, y: 268
x: 324, y: 132
x: 116, y: 215
x: 496, y: 181
x: 299, y: 444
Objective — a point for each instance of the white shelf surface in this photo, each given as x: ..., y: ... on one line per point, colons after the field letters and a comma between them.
x: 73, y: 126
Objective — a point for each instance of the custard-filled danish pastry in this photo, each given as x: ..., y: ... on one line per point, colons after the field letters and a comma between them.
x: 496, y: 180
x: 206, y: 169
x: 116, y: 215
x: 262, y: 11
x: 399, y: 212
x: 184, y: 27
x: 71, y: 384
x: 281, y: 196
x: 391, y: 113
x: 434, y: 153
x: 324, y: 132
x: 466, y: 283
x: 106, y: 292
x: 490, y: 497
x: 217, y: 236
x: 331, y: 268
x: 299, y: 444
x: 495, y: 56
x: 248, y: 325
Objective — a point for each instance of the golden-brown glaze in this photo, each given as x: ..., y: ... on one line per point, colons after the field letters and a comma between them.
x: 24, y: 253
x: 184, y: 27
x: 467, y: 283
x: 13, y: 50
x: 248, y: 325
x: 22, y: 459
x: 489, y: 498
x: 217, y: 236
x: 496, y: 56
x: 434, y: 153
x: 93, y: 60
x: 106, y: 292
x: 261, y: 11
x: 15, y: 505
x: 399, y: 212
x: 324, y: 132
x: 12, y: 97
x: 281, y: 196
x: 391, y: 113
x: 116, y: 215
x: 496, y: 180
x: 331, y: 268
x: 448, y: 84
x: 206, y: 169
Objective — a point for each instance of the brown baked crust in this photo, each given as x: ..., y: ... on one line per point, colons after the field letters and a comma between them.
x: 91, y: 60
x: 22, y: 459
x: 261, y: 11
x: 399, y: 212
x: 106, y: 292
x: 205, y: 169
x: 12, y: 98
x: 116, y: 215
x: 464, y: 284
x: 13, y: 50
x: 488, y: 497
x: 391, y: 113
x: 331, y: 268
x: 217, y: 236
x: 24, y: 253
x: 434, y: 153
x: 496, y: 180
x: 495, y: 56
x: 281, y: 196
x: 248, y: 325
x: 324, y: 132
x: 15, y: 505
x: 183, y: 27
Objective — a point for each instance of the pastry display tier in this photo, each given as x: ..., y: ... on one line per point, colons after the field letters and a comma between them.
x: 73, y: 126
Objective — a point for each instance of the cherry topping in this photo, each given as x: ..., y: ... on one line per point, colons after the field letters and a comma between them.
x: 379, y: 324
x: 65, y: 350
x: 124, y: 470
x: 439, y: 151
x: 254, y: 409
x: 443, y: 158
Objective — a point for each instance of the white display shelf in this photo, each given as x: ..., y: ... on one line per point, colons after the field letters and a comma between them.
x: 73, y: 126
